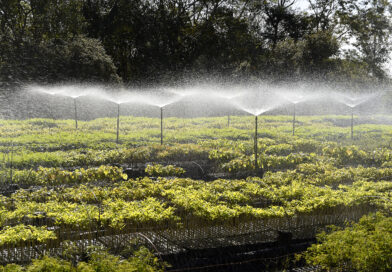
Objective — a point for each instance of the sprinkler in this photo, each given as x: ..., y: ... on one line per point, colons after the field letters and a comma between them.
x: 352, y: 123
x: 294, y: 120
x: 256, y: 164
x: 352, y: 101
x: 256, y: 112
x: 228, y: 97
x: 161, y: 100
x: 76, y: 114
x: 71, y: 91
x: 161, y: 125
x: 118, y: 122
x: 118, y: 100
x: 296, y: 98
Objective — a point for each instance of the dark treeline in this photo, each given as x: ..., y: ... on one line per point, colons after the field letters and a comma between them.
x: 155, y: 41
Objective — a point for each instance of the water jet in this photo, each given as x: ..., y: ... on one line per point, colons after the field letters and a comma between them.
x: 74, y: 98
x: 118, y: 99
x: 229, y: 97
x: 352, y: 101
x: 161, y: 100
x: 71, y: 91
x: 294, y: 99
x: 118, y: 122
x: 251, y: 104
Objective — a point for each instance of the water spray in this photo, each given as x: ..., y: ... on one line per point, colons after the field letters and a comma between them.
x: 161, y: 100
x: 71, y: 91
x: 295, y: 98
x: 353, y: 101
x: 74, y: 98
x: 228, y: 97
x: 119, y: 99
x: 256, y: 110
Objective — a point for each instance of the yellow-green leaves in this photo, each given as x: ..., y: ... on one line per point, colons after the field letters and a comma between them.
x: 14, y: 235
x: 119, y: 213
x: 58, y: 176
x: 158, y: 170
x: 365, y: 246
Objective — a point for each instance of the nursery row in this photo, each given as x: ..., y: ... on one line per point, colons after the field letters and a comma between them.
x: 52, y: 135
x: 317, y: 173
x: 231, y: 157
x: 175, y: 203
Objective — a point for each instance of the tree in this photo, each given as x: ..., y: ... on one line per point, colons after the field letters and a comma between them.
x: 323, y: 14
x: 41, y: 41
x: 56, y: 60
x: 287, y: 59
x: 319, y: 46
x: 370, y: 25
x: 273, y: 17
x: 56, y: 19
x: 155, y: 40
x: 37, y: 20
x: 310, y: 57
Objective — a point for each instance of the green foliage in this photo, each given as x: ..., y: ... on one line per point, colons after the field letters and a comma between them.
x: 57, y: 176
x: 142, y: 260
x: 319, y: 47
x: 310, y: 56
x: 158, y: 170
x: 120, y: 213
x: 369, y: 22
x: 320, y: 172
x: 271, y: 163
x: 21, y: 233
x: 365, y: 246
x: 85, y: 59
x: 47, y: 264
x: 92, y: 40
x: 150, y: 202
x: 11, y: 268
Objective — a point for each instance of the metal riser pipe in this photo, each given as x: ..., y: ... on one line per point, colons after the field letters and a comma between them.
x: 256, y: 136
x: 76, y: 114
x: 294, y: 113
x: 161, y: 126
x: 118, y: 124
x: 352, y: 124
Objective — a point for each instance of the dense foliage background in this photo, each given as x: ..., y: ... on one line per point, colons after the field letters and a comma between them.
x: 156, y: 41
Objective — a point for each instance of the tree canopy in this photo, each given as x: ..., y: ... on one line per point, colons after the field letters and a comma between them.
x: 152, y: 41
